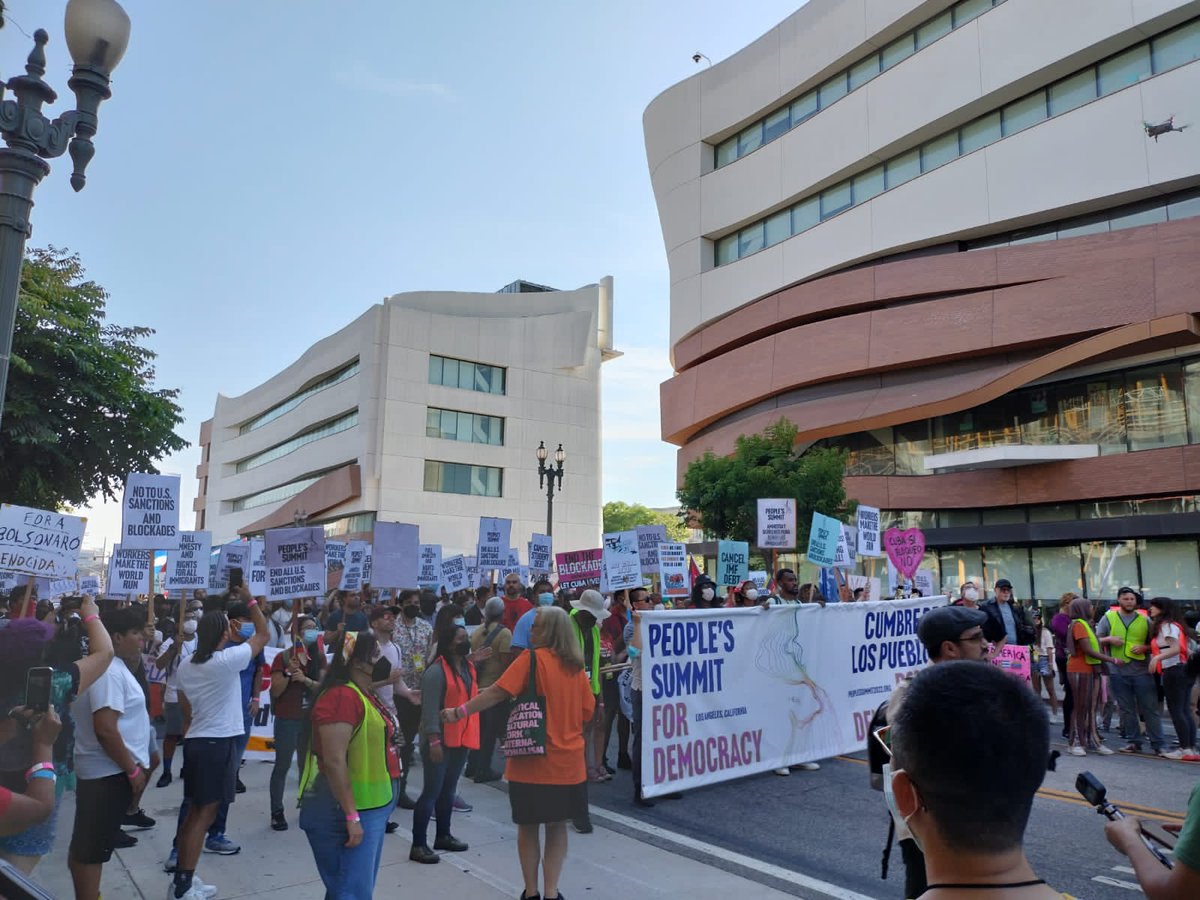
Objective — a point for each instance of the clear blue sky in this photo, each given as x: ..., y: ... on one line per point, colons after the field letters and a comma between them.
x: 267, y: 170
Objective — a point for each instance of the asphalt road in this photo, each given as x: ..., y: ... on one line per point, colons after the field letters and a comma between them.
x: 830, y: 825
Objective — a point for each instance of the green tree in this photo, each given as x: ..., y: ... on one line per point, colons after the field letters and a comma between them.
x: 81, y: 411
x: 620, y: 516
x: 722, y: 491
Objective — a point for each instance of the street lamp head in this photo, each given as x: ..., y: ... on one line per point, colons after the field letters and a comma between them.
x: 541, y: 451
x: 560, y: 455
x: 97, y: 33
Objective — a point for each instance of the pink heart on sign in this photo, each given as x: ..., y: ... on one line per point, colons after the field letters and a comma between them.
x: 905, y: 549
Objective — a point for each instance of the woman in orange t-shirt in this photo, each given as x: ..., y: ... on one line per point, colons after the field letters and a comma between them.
x: 545, y: 790
x: 1084, y: 657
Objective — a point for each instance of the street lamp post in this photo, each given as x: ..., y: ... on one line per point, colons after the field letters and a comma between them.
x: 97, y: 33
x: 546, y: 477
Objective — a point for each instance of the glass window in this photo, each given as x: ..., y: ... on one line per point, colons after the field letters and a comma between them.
x: 727, y: 249
x: 1090, y: 412
x: 903, y: 168
x: 1033, y: 413
x: 459, y: 478
x: 1184, y: 209
x: 1034, y: 235
x: 325, y: 429
x: 806, y: 214
x: 832, y: 90
x: 864, y: 71
x: 727, y: 152
x: 1023, y: 113
x: 958, y: 518
x: 934, y: 29
x: 867, y: 452
x: 939, y: 151
x: 1125, y: 69
x: 900, y: 49
x: 912, y: 446
x: 750, y: 239
x: 1072, y: 92
x: 459, y: 373
x: 968, y: 9
x: 1055, y: 571
x: 779, y: 226
x: 1171, y: 568
x: 1155, y: 414
x: 1191, y: 375
x: 958, y: 567
x: 300, y: 396
x: 450, y: 372
x: 1080, y: 227
x: 1111, y: 509
x: 750, y: 139
x: 466, y: 376
x: 836, y: 199
x: 1011, y: 563
x: 804, y: 107
x: 980, y: 133
x: 435, y: 369
x: 1135, y: 219
x: 869, y: 184
x: 1004, y: 515
x: 1107, y: 566
x: 1054, y: 512
x: 1176, y: 48
x: 776, y: 124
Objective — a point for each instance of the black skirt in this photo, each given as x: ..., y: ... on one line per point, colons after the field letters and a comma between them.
x: 539, y: 804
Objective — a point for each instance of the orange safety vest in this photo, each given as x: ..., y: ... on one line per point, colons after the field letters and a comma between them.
x: 1183, y: 648
x: 464, y: 732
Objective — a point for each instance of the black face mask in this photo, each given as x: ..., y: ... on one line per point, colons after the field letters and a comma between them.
x: 462, y: 648
x: 381, y: 670
x: 411, y: 612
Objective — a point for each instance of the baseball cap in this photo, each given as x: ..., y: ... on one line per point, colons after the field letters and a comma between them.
x: 1128, y: 590
x: 1003, y: 583
x: 946, y: 623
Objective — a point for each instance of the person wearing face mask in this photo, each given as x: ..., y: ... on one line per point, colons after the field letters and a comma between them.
x: 515, y: 604
x: 746, y: 595
x: 704, y: 593
x: 968, y: 595
x: 281, y: 626
x: 351, y: 770
x: 383, y: 626
x: 492, y: 721
x: 412, y: 636
x: 449, y: 682
x: 295, y: 675
x: 175, y: 650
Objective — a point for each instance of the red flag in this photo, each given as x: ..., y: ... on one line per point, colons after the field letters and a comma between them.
x: 693, y: 569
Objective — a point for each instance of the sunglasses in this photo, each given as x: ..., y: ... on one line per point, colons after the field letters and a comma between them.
x: 884, y: 737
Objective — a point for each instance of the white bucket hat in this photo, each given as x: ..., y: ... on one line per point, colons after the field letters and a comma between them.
x: 591, y: 601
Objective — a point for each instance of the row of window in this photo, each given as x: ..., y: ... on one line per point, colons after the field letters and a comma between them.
x: 315, y: 433
x: 1142, y: 409
x: 278, y: 493
x: 932, y: 519
x: 470, y: 376
x: 460, y: 478
x: 1153, y: 57
x: 473, y: 428
x: 779, y: 121
x: 347, y: 371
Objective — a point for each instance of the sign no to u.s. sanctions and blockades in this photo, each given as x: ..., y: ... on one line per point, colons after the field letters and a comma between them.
x: 733, y: 692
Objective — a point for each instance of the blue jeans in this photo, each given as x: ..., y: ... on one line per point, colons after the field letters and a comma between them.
x: 348, y: 873
x: 289, y: 742
x: 218, y: 826
x: 1137, y: 694
x: 441, y: 780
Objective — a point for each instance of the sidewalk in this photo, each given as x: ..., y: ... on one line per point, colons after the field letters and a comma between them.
x: 279, y: 866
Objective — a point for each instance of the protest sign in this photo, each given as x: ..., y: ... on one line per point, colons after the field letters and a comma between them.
x: 231, y: 556
x: 128, y: 571
x: 494, y: 542
x: 846, y: 554
x: 905, y: 549
x: 673, y: 577
x: 733, y: 692
x: 923, y: 581
x: 578, y: 569
x: 776, y: 524
x: 867, y: 518
x: 367, y: 557
x: 871, y: 586
x: 649, y: 538
x: 58, y: 587
x: 187, y: 567
x: 39, y: 542
x: 622, y: 564
x: 335, y: 561
x: 90, y: 585
x: 1014, y: 659
x: 733, y: 562
x: 540, y: 553
x: 822, y: 539
x: 9, y: 583
x: 394, y: 556
x: 429, y: 575
x: 454, y: 574
x: 150, y: 512
x: 759, y: 577
x: 352, y: 569
x: 256, y: 578
x: 295, y: 560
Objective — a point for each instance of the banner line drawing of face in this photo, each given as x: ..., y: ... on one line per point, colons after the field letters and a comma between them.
x: 781, y: 656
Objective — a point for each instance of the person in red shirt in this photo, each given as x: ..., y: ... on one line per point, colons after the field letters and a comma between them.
x: 612, y: 646
x: 515, y: 603
x: 295, y: 675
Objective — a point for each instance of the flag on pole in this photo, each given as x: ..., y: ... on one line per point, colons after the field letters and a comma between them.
x: 693, y: 569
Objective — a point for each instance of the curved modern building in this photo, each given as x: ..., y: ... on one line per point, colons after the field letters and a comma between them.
x: 962, y: 241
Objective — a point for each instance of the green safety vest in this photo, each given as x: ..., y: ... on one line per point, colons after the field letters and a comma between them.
x: 595, y: 666
x: 1137, y: 633
x: 1093, y: 642
x: 366, y: 760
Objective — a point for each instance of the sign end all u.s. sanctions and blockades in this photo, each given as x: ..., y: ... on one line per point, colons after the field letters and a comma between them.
x: 733, y: 692
x: 39, y: 542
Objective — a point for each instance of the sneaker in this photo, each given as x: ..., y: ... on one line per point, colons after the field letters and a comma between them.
x: 1104, y: 751
x: 278, y: 822
x: 1190, y: 755
x: 222, y: 845
x: 423, y: 855
x: 450, y: 844
x: 198, y: 891
x: 208, y: 890
x: 461, y: 805
x: 164, y: 779
x: 1173, y: 754
x: 123, y: 841
x: 391, y: 827
x: 1131, y: 748
x: 807, y: 767
x: 138, y: 819
x: 584, y: 826
x: 1076, y: 750
x: 784, y: 771
x: 171, y: 861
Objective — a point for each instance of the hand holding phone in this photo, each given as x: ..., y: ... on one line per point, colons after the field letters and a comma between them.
x: 37, y: 689
x: 1121, y: 829
x: 235, y: 578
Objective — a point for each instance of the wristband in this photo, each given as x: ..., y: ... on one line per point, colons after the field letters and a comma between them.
x: 462, y: 711
x: 38, y: 767
x: 434, y: 741
x: 91, y: 618
x: 137, y: 770
x: 353, y: 817
x: 43, y: 774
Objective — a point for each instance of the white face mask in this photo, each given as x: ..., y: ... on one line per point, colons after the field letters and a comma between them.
x: 889, y: 796
x: 751, y: 594
x: 706, y: 594
x: 189, y: 626
x: 970, y: 594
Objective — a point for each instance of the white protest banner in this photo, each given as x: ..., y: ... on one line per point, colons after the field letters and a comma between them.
x: 352, y: 570
x: 673, y: 576
x: 90, y: 585
x: 454, y: 574
x: 733, y: 692
x: 846, y: 554
x: 256, y: 578
x: 871, y: 587
x: 394, y: 559
x: 187, y: 567
x: 295, y: 560
x: 733, y: 562
x: 540, y: 554
x: 649, y: 537
x: 622, y: 564
x: 59, y: 587
x: 150, y: 512
x: 128, y: 571
x: 39, y: 542
x: 494, y: 542
x: 868, y: 531
x: 776, y: 524
x: 230, y: 556
x: 429, y: 574
x: 823, y: 539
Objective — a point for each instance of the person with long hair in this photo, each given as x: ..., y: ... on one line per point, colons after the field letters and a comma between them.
x: 1060, y: 625
x: 352, y: 769
x: 1043, y: 668
x: 1169, y: 648
x: 551, y: 789
x: 295, y: 674
x: 450, y: 680
x: 1084, y: 656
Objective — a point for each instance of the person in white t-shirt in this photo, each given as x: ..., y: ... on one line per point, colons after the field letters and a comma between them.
x: 1170, y: 653
x: 112, y: 753
x: 210, y: 692
x: 175, y: 650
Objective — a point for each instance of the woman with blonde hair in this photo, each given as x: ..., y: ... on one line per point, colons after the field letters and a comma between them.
x: 545, y: 789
